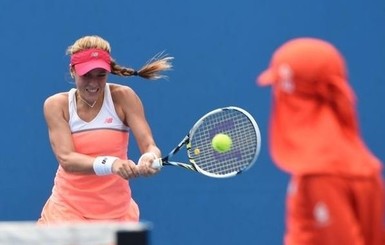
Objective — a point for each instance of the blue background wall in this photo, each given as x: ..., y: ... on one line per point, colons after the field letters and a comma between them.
x: 219, y: 48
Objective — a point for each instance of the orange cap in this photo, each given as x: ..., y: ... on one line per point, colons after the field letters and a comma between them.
x: 309, y: 60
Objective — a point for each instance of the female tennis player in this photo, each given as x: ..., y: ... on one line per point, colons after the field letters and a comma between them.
x: 336, y: 193
x: 89, y: 128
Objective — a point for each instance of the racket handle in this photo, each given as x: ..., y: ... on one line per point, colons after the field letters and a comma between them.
x: 157, y: 163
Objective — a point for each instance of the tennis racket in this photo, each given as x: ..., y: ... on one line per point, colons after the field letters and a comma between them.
x: 235, y: 122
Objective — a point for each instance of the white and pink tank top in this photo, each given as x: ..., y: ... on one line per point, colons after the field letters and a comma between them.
x: 91, y: 196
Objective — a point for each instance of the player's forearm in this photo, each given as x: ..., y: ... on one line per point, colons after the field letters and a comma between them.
x: 76, y: 163
x: 152, y: 148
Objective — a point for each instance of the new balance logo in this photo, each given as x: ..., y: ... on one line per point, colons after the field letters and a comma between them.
x: 108, y: 120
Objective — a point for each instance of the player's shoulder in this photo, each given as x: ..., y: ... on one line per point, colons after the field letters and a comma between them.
x: 56, y: 100
x: 121, y: 90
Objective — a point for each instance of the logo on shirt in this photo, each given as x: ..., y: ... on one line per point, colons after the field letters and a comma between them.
x: 108, y: 120
x: 321, y: 214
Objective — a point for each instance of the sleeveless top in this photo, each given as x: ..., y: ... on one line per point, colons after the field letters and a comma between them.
x: 91, y: 196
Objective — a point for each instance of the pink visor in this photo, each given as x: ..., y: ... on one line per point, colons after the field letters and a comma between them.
x: 87, y: 60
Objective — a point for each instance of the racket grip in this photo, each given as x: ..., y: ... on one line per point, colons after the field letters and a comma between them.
x: 157, y: 163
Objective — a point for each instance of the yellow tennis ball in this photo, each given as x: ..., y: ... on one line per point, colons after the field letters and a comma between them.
x: 197, y: 151
x: 221, y: 143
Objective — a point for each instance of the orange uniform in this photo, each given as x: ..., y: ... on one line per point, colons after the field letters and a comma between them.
x: 89, y: 197
x: 336, y: 195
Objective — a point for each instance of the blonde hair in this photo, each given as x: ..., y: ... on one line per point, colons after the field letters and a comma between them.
x: 150, y: 70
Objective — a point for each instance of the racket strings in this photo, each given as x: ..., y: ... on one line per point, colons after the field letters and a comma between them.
x: 243, y: 132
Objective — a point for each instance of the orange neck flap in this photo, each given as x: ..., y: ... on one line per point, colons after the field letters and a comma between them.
x: 318, y: 134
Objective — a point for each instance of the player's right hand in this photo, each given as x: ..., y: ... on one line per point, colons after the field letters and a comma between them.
x: 126, y: 169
